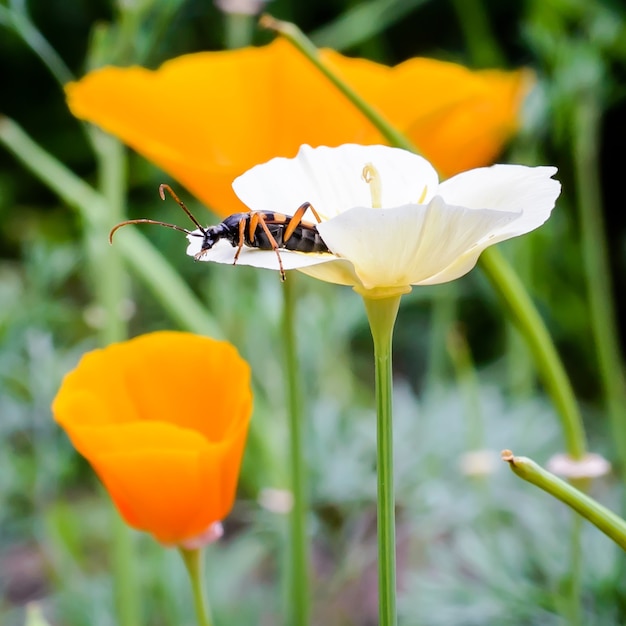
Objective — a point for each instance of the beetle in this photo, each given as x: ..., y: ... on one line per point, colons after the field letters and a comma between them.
x: 264, y: 230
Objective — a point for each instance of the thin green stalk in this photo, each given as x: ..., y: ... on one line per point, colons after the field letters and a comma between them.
x: 550, y: 367
x: 195, y: 568
x: 109, y: 284
x: 573, y: 611
x: 124, y: 568
x: 239, y: 29
x: 297, y: 38
x: 381, y: 314
x: 498, y: 271
x: 587, y: 118
x: 612, y: 525
x: 145, y: 260
x: 110, y: 289
x: 474, y: 22
x: 299, y: 596
x: 468, y: 383
x: 17, y: 18
x: 443, y: 313
x: 362, y: 21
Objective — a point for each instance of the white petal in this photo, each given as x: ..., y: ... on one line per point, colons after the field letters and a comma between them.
x: 223, y: 252
x: 514, y: 188
x: 408, y: 244
x: 331, y: 179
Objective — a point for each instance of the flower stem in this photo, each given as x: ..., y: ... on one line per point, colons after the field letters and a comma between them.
x: 605, y: 520
x: 482, y: 46
x: 299, y: 558
x: 381, y: 314
x: 297, y: 38
x: 239, y: 30
x: 573, y: 611
x: 195, y: 569
x: 597, y: 269
x: 516, y: 298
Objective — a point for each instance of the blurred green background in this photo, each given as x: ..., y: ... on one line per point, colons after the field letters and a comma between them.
x: 474, y: 547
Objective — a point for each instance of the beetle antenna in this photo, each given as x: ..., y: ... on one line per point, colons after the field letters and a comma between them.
x: 147, y: 221
x: 163, y: 188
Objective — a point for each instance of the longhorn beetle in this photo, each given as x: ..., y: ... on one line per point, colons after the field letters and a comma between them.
x: 265, y: 230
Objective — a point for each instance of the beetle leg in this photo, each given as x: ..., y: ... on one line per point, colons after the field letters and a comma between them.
x: 242, y: 230
x: 295, y: 221
x: 260, y: 220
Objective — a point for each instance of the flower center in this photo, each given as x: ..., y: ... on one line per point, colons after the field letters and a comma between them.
x: 371, y: 176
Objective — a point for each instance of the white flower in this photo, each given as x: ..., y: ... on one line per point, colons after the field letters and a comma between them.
x: 421, y: 232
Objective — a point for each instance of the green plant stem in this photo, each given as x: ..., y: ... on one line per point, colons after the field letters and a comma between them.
x: 297, y: 38
x: 605, y: 520
x: 124, y: 572
x: 550, y: 367
x: 381, y: 314
x: 18, y: 19
x: 474, y: 23
x: 299, y: 597
x: 362, y: 21
x: 110, y: 290
x: 195, y: 568
x: 468, y: 383
x: 109, y: 283
x: 587, y: 116
x: 573, y: 612
x: 239, y: 29
x: 144, y: 259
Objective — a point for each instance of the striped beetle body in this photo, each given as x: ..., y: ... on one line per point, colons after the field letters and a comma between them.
x: 264, y: 230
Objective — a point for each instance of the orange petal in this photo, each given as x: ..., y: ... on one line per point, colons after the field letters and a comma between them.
x: 184, y: 379
x: 458, y: 118
x: 206, y: 118
x: 163, y: 419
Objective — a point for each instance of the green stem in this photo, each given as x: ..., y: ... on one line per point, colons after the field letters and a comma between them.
x: 381, y: 314
x: 499, y: 272
x: 361, y: 21
x: 605, y: 520
x: 124, y: 573
x: 468, y: 383
x: 299, y: 598
x: 21, y: 23
x: 516, y: 298
x: 297, y: 38
x: 110, y: 286
x: 239, y: 30
x: 474, y: 22
x: 587, y: 117
x: 195, y: 568
x: 573, y: 613
x: 110, y: 289
x: 145, y: 260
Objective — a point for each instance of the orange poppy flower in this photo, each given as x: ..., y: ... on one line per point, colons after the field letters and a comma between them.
x: 206, y: 118
x: 162, y: 419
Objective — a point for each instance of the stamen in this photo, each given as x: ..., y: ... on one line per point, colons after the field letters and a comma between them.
x: 372, y: 178
x: 423, y: 196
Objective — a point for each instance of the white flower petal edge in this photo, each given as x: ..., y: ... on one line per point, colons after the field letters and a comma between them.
x: 529, y: 190
x: 330, y: 179
x: 407, y: 245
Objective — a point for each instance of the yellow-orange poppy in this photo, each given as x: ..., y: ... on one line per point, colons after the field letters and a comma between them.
x: 162, y: 419
x: 206, y: 118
